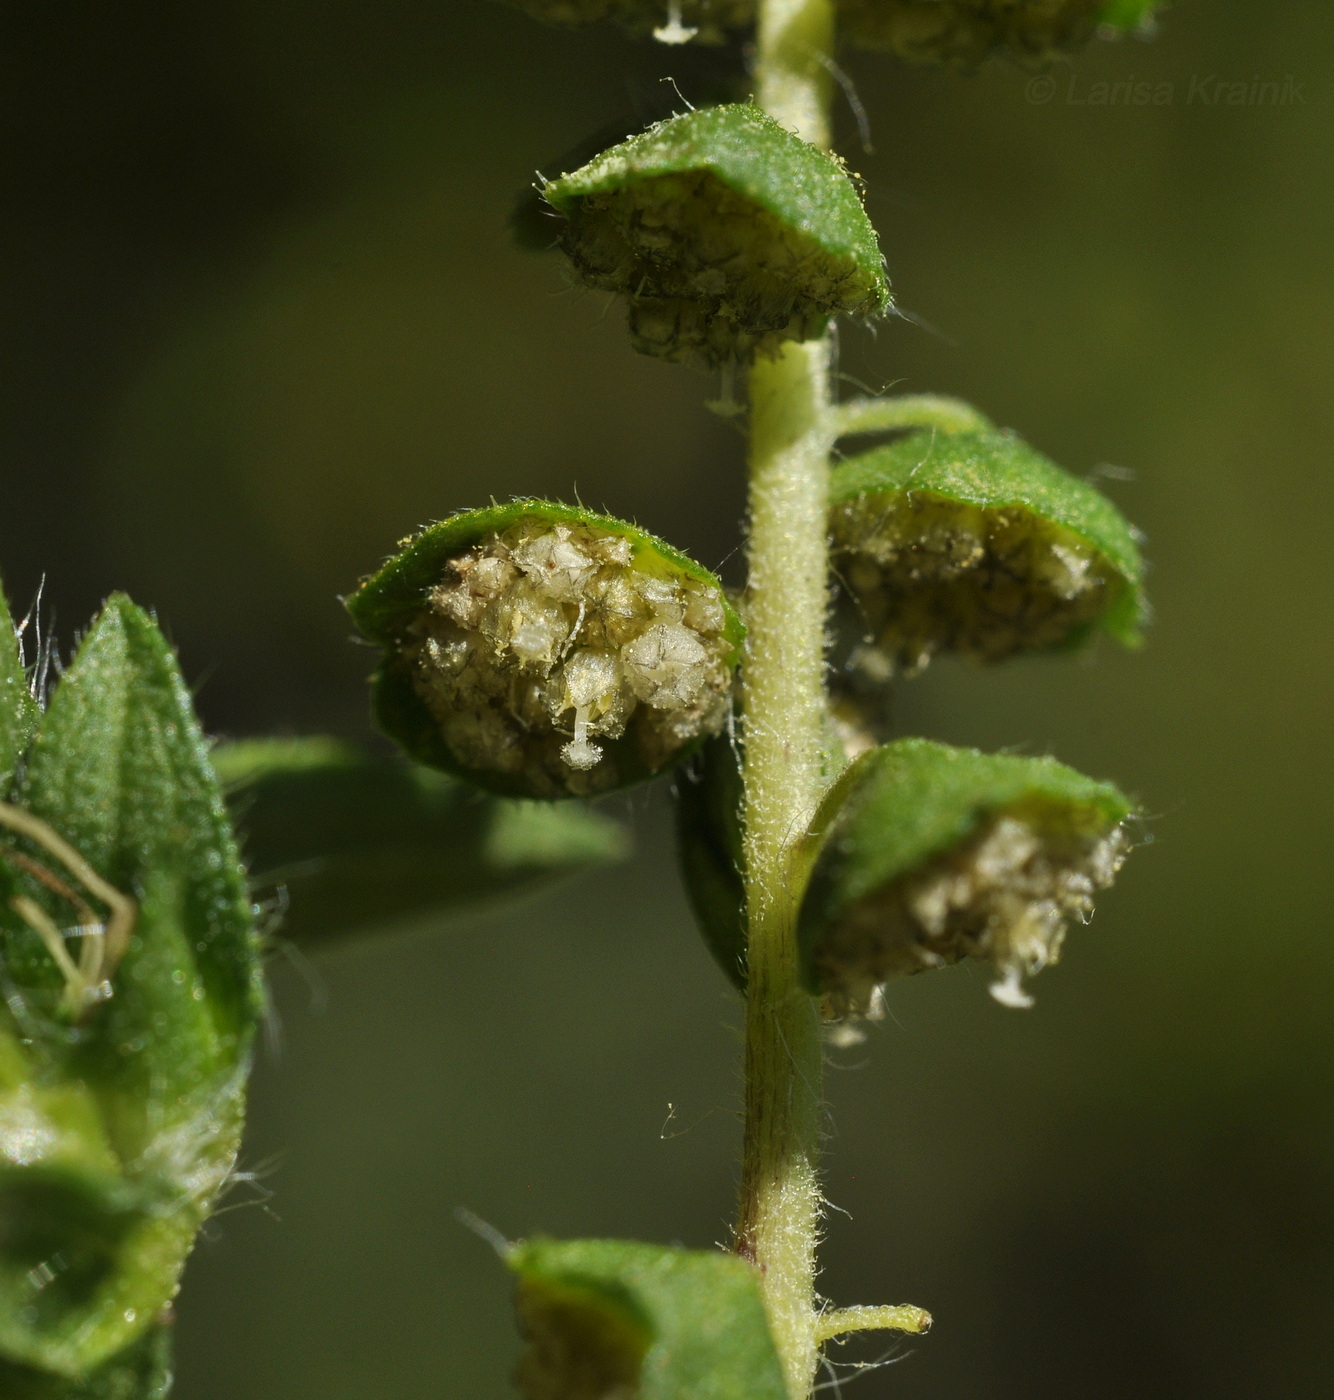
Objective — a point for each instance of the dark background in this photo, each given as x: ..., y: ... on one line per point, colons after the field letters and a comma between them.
x: 261, y: 317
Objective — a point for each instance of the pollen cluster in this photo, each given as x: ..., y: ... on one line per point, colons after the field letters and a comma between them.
x: 710, y: 276
x: 927, y: 574
x: 964, y: 32
x: 1004, y: 897
x: 545, y: 639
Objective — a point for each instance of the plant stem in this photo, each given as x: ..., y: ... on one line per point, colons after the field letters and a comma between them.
x: 784, y: 709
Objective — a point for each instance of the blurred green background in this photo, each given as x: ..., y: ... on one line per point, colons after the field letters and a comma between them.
x: 262, y: 317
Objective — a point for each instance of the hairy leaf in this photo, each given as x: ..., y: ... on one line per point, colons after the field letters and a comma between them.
x: 612, y: 1317
x: 360, y: 842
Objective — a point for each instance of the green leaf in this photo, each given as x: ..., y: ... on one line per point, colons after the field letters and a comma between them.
x: 975, y: 543
x: 611, y: 1317
x: 361, y: 842
x: 141, y: 1372
x: 727, y: 234
x: 966, y: 32
x: 18, y: 710
x: 543, y: 650
x: 138, y: 1097
x: 922, y: 854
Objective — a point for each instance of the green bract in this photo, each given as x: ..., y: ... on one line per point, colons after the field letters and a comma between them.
x: 360, y: 842
x: 965, y: 32
x: 924, y: 854
x: 727, y: 234
x: 611, y: 1318
x: 543, y: 650
x: 974, y: 543
x: 702, y: 20
x: 131, y: 996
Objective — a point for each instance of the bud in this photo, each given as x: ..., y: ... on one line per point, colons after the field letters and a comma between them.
x: 542, y: 650
x: 922, y: 855
x: 973, y: 543
x: 132, y: 997
x: 607, y: 1319
x: 705, y: 21
x: 728, y: 236
x: 965, y: 32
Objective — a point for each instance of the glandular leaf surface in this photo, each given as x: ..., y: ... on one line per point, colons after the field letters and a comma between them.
x: 614, y: 1318
x: 121, y: 1107
x: 922, y: 855
x: 543, y: 650
x: 359, y: 842
x: 727, y: 235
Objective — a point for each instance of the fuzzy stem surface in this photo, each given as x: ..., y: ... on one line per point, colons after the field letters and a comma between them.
x: 784, y: 704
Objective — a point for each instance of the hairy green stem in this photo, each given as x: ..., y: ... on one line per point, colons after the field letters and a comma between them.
x: 784, y: 707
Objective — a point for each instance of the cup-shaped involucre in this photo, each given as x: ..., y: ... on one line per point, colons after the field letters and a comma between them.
x: 727, y: 235
x: 975, y: 544
x: 704, y: 21
x: 547, y: 651
x: 924, y: 855
x: 965, y: 32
